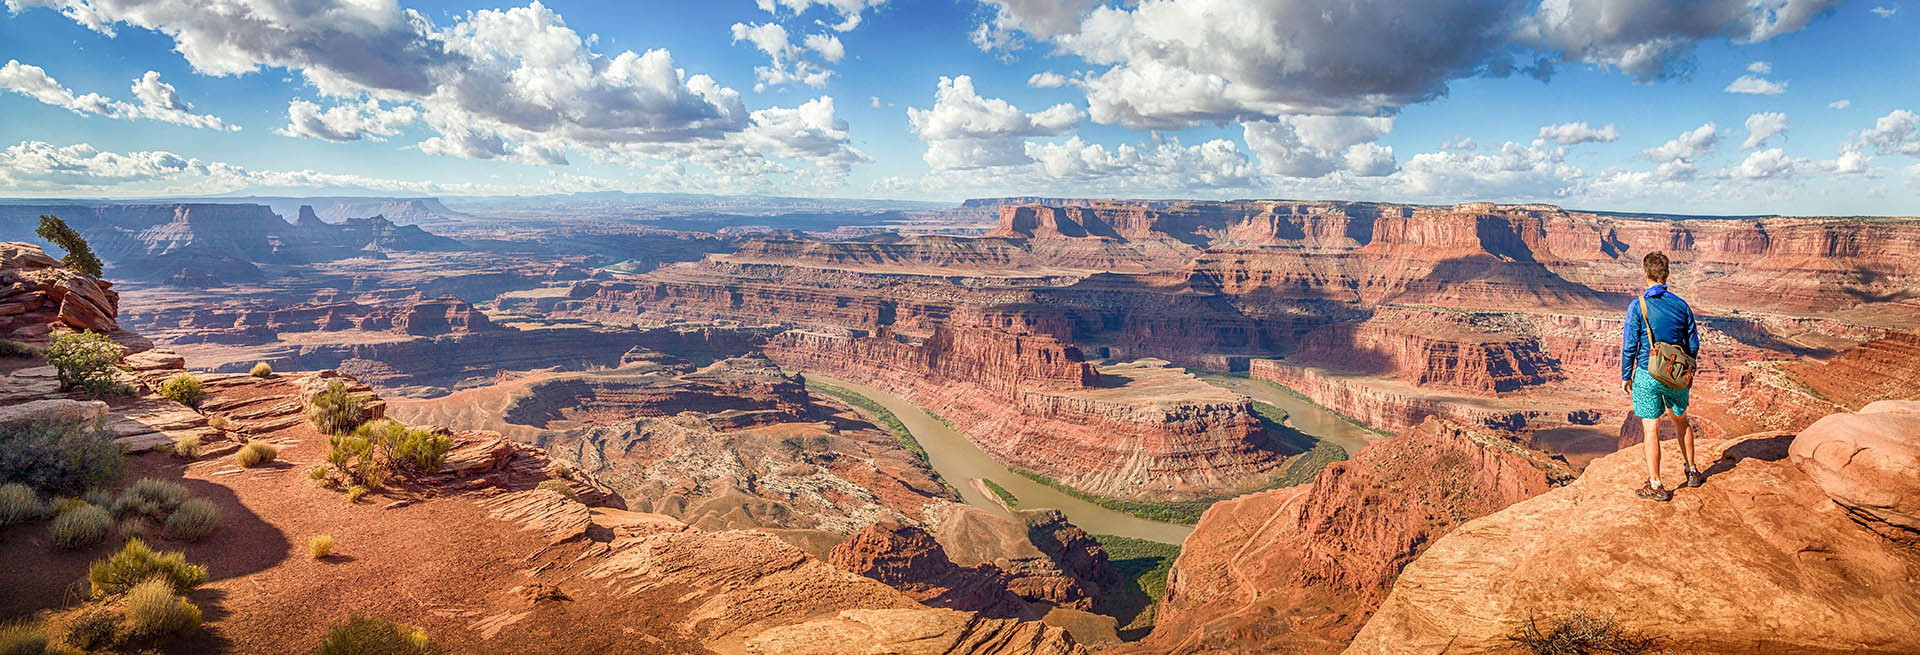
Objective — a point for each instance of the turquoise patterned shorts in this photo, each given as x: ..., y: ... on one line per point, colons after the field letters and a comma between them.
x: 1651, y: 398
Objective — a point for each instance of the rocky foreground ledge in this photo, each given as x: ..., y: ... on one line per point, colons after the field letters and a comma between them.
x: 1799, y: 544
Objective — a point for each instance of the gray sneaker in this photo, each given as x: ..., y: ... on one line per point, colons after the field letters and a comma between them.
x: 1695, y: 478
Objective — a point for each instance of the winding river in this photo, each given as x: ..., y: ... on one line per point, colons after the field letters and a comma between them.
x: 955, y: 458
x: 960, y: 462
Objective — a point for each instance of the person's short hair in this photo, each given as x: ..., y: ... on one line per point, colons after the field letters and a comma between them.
x: 1655, y: 265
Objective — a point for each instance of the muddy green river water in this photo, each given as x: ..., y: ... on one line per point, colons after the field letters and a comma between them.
x: 960, y: 462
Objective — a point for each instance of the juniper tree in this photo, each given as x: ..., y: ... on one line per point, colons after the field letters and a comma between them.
x: 79, y: 255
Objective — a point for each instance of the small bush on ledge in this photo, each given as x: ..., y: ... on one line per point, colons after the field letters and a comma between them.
x: 335, y: 410
x: 1581, y: 633
x: 261, y: 370
x: 183, y: 388
x: 88, y: 361
x: 561, y: 488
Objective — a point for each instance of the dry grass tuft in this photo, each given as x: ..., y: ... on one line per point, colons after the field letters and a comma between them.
x: 81, y: 527
x: 255, y: 453
x: 194, y: 520
x: 1581, y: 633
x: 320, y: 546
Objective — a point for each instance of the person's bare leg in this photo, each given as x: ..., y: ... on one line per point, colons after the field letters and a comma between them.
x: 1651, y: 428
x: 1680, y: 427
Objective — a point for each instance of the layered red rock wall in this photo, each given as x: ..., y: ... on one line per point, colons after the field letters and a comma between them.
x: 1383, y: 408
x: 1299, y: 569
x: 1397, y: 346
x: 1029, y: 401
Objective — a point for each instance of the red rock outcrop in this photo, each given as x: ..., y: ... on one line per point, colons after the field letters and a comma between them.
x: 1299, y: 569
x: 1032, y: 402
x: 909, y: 559
x: 1795, y: 544
x: 1045, y: 558
x: 37, y: 296
x: 1868, y: 464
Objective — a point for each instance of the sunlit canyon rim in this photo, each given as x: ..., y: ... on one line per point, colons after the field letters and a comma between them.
x: 984, y: 327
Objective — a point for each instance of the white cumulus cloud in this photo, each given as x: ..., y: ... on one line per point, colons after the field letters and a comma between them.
x: 516, y: 84
x: 154, y: 99
x: 1690, y: 145
x: 1047, y: 80
x: 1763, y: 126
x: 1315, y: 146
x: 965, y: 130
x: 1568, y: 134
x: 345, y: 122
x: 1898, y: 132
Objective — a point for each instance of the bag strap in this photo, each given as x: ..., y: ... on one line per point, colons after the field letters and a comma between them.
x: 1648, y: 320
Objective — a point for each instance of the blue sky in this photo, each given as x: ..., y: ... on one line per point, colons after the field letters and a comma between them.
x: 1714, y: 106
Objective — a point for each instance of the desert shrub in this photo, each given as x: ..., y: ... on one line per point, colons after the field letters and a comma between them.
x: 187, y: 447
x: 320, y: 546
x: 134, y: 527
x: 219, y: 422
x: 560, y: 470
x: 11, y: 348
x: 79, y: 256
x: 416, y: 449
x: 87, y: 361
x: 151, y: 498
x: 81, y: 527
x: 92, y: 628
x: 355, y: 492
x: 60, y: 456
x: 355, y: 457
x: 64, y: 505
x: 183, y: 388
x: 363, y: 635
x: 560, y: 487
x: 1581, y: 633
x: 255, y: 453
x: 334, y: 410
x: 155, y: 610
x: 22, y: 638
x: 261, y: 370
x: 137, y: 562
x: 18, y: 504
x: 194, y: 520
x: 98, y: 498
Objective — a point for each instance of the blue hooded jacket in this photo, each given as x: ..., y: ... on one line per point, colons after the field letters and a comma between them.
x: 1672, y: 323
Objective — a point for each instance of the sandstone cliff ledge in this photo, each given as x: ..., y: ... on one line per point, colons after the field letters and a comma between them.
x: 1796, y: 544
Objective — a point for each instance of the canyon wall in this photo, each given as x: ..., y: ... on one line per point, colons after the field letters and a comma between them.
x: 1390, y: 406
x: 1033, y: 402
x: 1300, y: 569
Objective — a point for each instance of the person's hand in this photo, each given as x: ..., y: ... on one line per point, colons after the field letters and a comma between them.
x: 1626, y: 385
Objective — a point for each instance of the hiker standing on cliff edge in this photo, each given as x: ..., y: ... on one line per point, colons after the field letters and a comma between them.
x: 1657, y: 352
